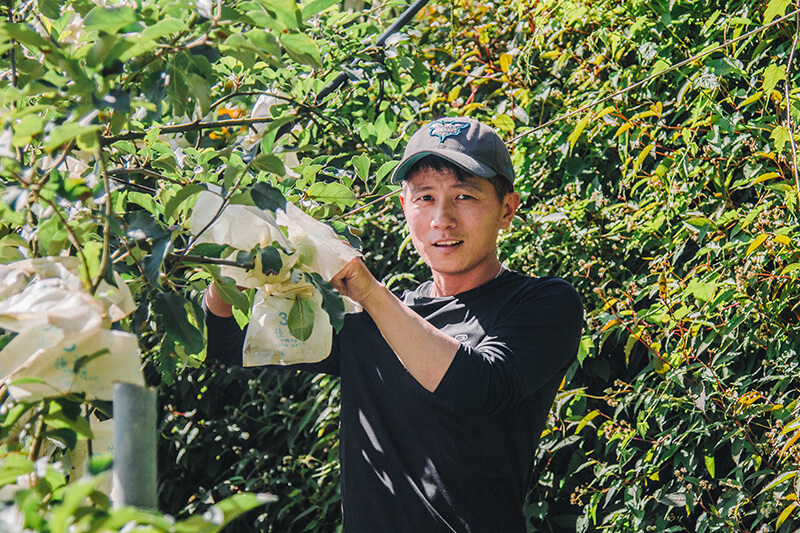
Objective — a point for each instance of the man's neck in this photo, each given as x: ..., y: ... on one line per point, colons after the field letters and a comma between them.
x: 450, y: 285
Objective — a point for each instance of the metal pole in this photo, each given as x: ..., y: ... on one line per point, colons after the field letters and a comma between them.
x: 134, y: 447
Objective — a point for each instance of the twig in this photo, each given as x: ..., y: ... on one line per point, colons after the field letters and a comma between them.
x: 144, y: 172
x: 361, y: 208
x: 253, y: 93
x: 216, y: 216
x: 38, y: 434
x: 788, y: 102
x: 654, y: 76
x: 107, y: 226
x: 61, y: 159
x: 209, y: 260
x: 73, y: 238
x: 13, y: 49
x: 127, y: 183
x: 190, y: 126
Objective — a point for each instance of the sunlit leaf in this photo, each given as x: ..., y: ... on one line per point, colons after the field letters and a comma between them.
x: 772, y: 75
x: 576, y: 133
x: 775, y: 8
x: 301, y: 48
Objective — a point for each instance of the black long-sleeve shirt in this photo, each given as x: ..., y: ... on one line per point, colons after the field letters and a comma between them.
x: 459, y: 458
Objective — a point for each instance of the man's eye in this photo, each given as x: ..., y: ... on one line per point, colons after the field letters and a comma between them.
x: 464, y: 197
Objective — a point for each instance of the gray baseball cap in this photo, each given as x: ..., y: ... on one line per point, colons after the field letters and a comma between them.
x: 470, y: 144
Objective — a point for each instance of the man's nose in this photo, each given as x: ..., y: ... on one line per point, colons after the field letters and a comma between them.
x: 444, y: 216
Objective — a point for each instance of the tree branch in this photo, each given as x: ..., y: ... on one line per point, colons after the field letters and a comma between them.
x: 788, y: 102
x: 209, y: 261
x: 190, y: 126
x: 144, y: 172
x: 72, y: 238
x: 107, y: 226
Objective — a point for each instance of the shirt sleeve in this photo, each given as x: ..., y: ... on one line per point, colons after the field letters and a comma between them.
x: 534, y: 340
x: 224, y: 338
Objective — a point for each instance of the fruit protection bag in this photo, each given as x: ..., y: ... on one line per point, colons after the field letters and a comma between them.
x: 63, y: 342
x: 306, y: 246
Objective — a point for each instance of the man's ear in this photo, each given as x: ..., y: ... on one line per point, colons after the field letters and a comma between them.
x: 510, y: 205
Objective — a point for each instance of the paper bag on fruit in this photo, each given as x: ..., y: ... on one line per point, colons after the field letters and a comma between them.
x: 306, y: 246
x: 63, y: 342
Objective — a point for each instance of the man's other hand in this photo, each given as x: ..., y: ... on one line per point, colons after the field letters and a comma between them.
x: 355, y: 281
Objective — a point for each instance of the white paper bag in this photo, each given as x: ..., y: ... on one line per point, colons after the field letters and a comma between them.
x: 268, y: 340
x: 314, y: 247
x: 58, y: 323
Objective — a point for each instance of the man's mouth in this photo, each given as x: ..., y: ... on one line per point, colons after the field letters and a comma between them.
x: 446, y: 244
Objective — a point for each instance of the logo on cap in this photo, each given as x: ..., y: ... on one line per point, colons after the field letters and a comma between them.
x: 446, y: 128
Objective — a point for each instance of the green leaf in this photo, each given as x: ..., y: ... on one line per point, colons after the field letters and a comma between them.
x: 285, y: 12
x: 74, y: 496
x: 73, y: 189
x: 50, y: 8
x: 63, y: 435
x: 586, y: 419
x: 775, y: 8
x: 576, y: 133
x: 755, y: 243
x: 163, y: 28
x: 772, y: 75
x: 84, y: 360
x: 271, y: 262
x: 301, y: 318
x: 659, y: 66
x: 314, y: 7
x: 227, y: 289
x: 153, y: 261
x: 61, y: 418
x: 676, y: 499
x: 267, y: 197
x: 346, y: 231
x: 109, y: 19
x: 210, y: 249
x: 185, y: 192
x: 14, y: 465
x: 269, y: 163
x: 332, y: 302
x: 710, y: 465
x: 100, y: 462
x: 790, y: 268
x: 175, y: 310
x: 67, y: 132
x: 302, y: 49
x: 783, y: 478
x: 246, y: 259
x: 504, y: 123
x: 787, y: 511
x: 25, y: 34
x: 332, y: 193
x: 361, y: 163
x: 237, y: 504
x: 585, y: 348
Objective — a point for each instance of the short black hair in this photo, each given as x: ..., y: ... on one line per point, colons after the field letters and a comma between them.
x: 440, y: 164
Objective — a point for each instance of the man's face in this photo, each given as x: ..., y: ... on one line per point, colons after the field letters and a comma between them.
x: 454, y: 224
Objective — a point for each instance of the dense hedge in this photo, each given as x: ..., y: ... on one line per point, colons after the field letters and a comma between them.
x: 673, y: 209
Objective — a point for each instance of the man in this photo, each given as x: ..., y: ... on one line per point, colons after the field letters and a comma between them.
x: 446, y: 391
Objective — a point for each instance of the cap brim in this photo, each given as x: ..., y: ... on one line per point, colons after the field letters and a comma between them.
x: 469, y: 164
